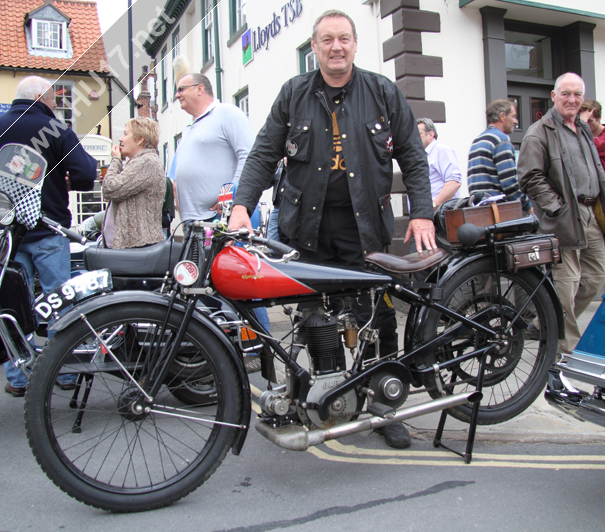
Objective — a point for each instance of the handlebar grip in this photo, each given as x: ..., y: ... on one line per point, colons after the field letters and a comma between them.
x: 276, y: 246
x: 59, y: 229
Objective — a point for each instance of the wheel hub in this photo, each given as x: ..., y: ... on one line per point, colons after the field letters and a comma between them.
x: 131, y: 405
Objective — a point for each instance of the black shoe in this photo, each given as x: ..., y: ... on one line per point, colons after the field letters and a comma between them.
x: 395, y: 435
x: 15, y: 392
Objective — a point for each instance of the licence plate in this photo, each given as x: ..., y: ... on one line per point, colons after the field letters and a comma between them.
x: 72, y: 291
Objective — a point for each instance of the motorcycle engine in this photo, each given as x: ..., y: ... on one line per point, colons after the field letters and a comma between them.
x: 342, y: 408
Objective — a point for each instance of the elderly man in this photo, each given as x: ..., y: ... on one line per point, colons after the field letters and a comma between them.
x: 559, y: 168
x: 30, y: 115
x: 341, y: 127
x: 491, y: 161
x: 212, y: 151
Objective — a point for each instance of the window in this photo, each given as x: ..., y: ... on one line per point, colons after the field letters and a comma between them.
x: 237, y: 16
x: 308, y: 60
x: 207, y: 31
x: 528, y: 55
x: 49, y: 35
x: 177, y: 140
x: 165, y: 156
x: 176, y: 39
x: 241, y: 100
x: 64, y: 103
x: 164, y: 79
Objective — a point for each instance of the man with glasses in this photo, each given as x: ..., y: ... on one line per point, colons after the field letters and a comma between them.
x: 213, y: 149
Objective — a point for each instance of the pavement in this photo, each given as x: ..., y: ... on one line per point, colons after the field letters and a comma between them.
x: 540, y: 423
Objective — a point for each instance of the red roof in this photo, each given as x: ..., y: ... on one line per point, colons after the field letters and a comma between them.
x: 84, y: 32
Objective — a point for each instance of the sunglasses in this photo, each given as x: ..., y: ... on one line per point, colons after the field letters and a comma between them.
x: 183, y: 87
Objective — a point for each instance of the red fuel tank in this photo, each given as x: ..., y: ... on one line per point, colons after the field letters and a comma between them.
x: 235, y: 275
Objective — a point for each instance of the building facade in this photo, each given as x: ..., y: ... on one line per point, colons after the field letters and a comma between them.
x: 449, y: 57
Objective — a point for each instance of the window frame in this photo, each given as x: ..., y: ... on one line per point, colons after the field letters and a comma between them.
x: 207, y: 7
x: 303, y: 53
x: 236, y: 28
x: 164, y: 89
x: 72, y: 122
x: 243, y: 96
x: 62, y: 35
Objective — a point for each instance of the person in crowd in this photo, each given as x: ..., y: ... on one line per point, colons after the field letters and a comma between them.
x: 30, y: 114
x: 278, y: 180
x: 340, y: 128
x: 560, y: 170
x: 213, y: 148
x: 444, y: 171
x: 491, y: 161
x: 212, y: 152
x: 135, y: 189
x: 590, y: 112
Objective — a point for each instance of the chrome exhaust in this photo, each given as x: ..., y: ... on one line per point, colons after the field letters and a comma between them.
x: 581, y: 405
x: 298, y: 438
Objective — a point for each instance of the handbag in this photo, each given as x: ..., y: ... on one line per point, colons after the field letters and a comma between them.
x: 531, y: 252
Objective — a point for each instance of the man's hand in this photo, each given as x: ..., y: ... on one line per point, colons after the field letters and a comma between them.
x: 423, y: 231
x: 239, y: 218
x: 216, y: 207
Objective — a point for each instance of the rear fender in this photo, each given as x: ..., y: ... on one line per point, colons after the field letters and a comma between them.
x: 153, y: 298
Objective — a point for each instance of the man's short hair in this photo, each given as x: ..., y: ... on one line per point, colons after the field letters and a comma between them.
x: 29, y: 87
x: 202, y: 80
x: 429, y: 125
x: 146, y: 129
x: 333, y: 13
x: 558, y: 81
x: 492, y: 113
x: 594, y: 106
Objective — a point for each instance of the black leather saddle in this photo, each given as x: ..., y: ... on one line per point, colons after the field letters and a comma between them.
x: 150, y: 261
x: 414, y: 262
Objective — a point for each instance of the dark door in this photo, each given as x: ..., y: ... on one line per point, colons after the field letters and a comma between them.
x: 533, y: 100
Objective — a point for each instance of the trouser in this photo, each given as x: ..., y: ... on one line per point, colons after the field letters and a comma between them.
x: 339, y: 245
x: 579, y: 277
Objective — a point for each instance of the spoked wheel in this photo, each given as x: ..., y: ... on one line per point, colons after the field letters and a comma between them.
x: 105, y: 443
x: 516, y: 374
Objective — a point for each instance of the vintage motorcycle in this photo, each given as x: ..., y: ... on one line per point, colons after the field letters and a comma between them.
x: 480, y: 337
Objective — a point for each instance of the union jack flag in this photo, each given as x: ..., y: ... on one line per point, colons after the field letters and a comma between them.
x: 225, y: 198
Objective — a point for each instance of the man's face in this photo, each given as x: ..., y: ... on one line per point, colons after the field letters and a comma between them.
x: 569, y: 97
x: 509, y: 121
x: 426, y: 138
x: 188, y: 95
x: 594, y: 124
x: 334, y: 46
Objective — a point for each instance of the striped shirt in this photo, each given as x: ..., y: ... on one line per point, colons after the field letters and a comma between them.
x: 492, y: 167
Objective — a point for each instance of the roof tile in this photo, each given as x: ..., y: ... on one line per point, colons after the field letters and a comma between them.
x: 84, y: 31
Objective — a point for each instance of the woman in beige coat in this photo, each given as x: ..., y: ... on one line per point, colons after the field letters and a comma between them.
x: 135, y: 189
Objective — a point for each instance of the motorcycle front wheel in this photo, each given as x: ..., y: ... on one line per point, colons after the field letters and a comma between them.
x: 515, y: 376
x: 104, y: 443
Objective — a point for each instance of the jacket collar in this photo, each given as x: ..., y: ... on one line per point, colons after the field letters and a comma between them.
x: 319, y: 82
x: 23, y: 105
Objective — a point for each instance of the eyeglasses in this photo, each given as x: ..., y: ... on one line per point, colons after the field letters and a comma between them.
x: 183, y: 87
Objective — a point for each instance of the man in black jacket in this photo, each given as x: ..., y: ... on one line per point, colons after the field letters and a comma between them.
x: 340, y: 129
x: 31, y: 121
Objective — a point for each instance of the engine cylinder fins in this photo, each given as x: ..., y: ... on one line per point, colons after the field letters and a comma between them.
x: 323, y: 342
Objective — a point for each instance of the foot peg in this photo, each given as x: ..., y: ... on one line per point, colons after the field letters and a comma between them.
x: 380, y: 410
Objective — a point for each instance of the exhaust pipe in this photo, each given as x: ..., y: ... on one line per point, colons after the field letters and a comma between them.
x: 298, y: 438
x: 583, y: 406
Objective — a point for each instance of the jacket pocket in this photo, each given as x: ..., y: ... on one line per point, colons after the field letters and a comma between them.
x: 381, y: 139
x: 289, y: 209
x: 298, y: 142
x: 387, y: 217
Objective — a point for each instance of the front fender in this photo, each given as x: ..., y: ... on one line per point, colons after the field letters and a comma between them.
x: 153, y: 298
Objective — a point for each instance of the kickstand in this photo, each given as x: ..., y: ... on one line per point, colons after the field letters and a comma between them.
x: 472, y: 429
x: 77, y: 426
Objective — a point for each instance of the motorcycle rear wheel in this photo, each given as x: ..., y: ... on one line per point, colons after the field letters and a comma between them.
x: 121, y: 459
x: 514, y: 378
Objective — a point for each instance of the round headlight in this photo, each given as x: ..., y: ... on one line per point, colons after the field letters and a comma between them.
x: 7, y: 210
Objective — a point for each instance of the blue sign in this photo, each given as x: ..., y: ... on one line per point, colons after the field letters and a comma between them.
x: 4, y: 107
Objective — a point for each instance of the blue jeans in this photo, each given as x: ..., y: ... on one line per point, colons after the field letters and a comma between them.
x: 51, y: 257
x: 272, y: 228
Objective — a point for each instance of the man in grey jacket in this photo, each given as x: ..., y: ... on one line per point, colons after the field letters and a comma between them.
x: 341, y: 127
x: 559, y: 170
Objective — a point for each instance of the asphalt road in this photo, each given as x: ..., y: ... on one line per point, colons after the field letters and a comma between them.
x: 356, y: 483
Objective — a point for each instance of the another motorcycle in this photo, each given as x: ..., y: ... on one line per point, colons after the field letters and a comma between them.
x: 480, y: 336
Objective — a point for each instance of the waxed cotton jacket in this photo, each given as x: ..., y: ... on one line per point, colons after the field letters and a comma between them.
x: 544, y: 167
x: 376, y: 126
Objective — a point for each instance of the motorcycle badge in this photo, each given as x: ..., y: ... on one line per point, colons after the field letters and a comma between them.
x: 389, y: 143
x: 291, y: 147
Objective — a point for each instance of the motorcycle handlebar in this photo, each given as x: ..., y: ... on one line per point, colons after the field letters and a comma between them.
x: 63, y: 231
x: 276, y: 246
x: 469, y: 234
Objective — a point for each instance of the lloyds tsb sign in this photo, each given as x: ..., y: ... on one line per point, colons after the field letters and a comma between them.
x: 289, y: 11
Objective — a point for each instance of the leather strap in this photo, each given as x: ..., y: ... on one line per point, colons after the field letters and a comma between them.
x: 496, y: 212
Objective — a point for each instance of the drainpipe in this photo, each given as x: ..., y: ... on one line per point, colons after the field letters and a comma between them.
x: 217, y: 55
